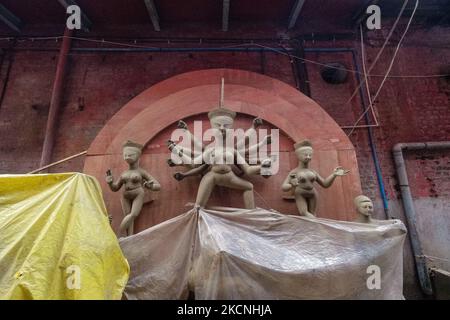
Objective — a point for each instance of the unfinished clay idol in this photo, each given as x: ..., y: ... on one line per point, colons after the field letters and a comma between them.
x: 220, y: 163
x: 301, y: 181
x: 133, y: 180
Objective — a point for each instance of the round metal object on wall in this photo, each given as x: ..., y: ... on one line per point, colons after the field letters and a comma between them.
x: 334, y: 73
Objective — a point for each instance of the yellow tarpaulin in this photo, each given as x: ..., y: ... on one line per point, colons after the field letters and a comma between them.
x: 56, y: 241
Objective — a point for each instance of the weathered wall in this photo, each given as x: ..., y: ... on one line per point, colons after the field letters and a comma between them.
x: 99, y: 84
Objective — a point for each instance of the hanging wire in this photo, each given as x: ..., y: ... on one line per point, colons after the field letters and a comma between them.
x: 389, y: 68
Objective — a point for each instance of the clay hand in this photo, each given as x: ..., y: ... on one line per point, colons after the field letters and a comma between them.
x: 109, y: 179
x: 171, y: 144
x: 339, y: 171
x: 148, y: 184
x: 266, y: 163
x: 257, y: 122
x: 182, y: 125
x: 178, y: 176
x: 293, y: 180
x: 171, y: 163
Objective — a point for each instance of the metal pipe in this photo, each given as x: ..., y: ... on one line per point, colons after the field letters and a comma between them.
x: 408, y: 205
x: 211, y: 49
x: 55, y: 102
x: 9, y: 60
x: 301, y: 37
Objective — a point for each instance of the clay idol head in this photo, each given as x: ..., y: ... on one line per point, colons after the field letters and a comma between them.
x: 304, y: 151
x: 363, y: 205
x: 222, y: 118
x: 132, y: 151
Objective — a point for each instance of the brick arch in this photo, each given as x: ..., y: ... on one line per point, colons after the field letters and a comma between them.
x: 145, y: 118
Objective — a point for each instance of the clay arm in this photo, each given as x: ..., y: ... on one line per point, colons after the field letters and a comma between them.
x: 289, y: 182
x: 198, y: 145
x: 174, y: 148
x: 250, y: 131
x: 248, y: 169
x: 244, y: 166
x: 114, y: 186
x: 267, y: 140
x: 326, y: 183
x: 150, y: 182
x: 193, y: 172
x: 180, y: 149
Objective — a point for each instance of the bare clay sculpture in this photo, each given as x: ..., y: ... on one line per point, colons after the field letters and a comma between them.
x: 364, y: 208
x: 215, y: 167
x: 134, y: 180
x: 301, y: 180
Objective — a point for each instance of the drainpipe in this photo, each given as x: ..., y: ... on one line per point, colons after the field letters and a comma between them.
x: 373, y: 148
x: 408, y: 205
x: 55, y: 102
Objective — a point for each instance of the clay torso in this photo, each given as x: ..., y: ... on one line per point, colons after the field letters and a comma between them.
x: 132, y: 179
x: 306, y: 179
x: 219, y: 158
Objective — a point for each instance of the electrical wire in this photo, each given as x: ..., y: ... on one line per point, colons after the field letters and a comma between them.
x: 389, y: 68
x: 391, y: 32
x: 366, y: 82
x: 230, y: 47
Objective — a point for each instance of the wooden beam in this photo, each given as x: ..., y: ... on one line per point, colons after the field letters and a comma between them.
x: 225, y: 15
x: 10, y: 19
x: 295, y: 13
x: 86, y: 24
x: 153, y: 13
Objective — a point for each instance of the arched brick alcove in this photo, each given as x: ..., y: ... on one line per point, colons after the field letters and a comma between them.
x: 150, y: 118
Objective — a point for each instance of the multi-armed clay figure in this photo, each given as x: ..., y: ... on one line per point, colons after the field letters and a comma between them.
x: 301, y: 180
x: 216, y: 161
x: 134, y: 180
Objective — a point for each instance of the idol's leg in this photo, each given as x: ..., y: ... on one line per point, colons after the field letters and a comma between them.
x: 204, y: 190
x: 302, y: 206
x: 136, y: 207
x: 234, y: 182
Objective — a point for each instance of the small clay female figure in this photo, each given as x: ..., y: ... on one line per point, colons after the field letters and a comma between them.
x: 301, y: 180
x: 134, y: 180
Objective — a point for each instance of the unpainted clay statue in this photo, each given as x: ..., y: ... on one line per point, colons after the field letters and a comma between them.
x: 301, y: 180
x: 134, y: 180
x: 214, y: 166
x: 364, y: 207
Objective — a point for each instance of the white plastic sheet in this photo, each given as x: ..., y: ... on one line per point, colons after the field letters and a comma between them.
x: 261, y: 254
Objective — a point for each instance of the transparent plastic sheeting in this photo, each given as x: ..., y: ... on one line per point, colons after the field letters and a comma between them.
x: 56, y: 241
x: 261, y: 254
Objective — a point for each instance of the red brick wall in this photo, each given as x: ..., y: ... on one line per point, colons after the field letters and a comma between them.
x: 409, y: 109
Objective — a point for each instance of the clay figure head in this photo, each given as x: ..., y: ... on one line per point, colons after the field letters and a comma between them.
x: 363, y: 205
x: 132, y: 151
x: 222, y: 119
x: 304, y: 151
